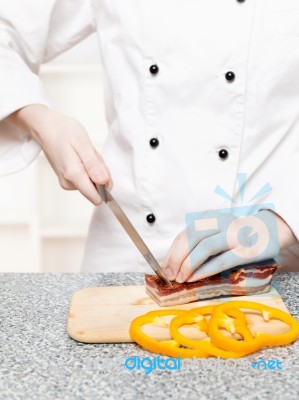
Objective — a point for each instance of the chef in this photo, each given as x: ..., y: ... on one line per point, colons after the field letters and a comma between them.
x: 197, y: 94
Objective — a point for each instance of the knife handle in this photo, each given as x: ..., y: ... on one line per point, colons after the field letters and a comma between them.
x: 102, y: 192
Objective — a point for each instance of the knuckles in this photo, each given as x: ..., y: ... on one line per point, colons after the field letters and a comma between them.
x: 70, y: 175
x: 65, y: 184
x: 173, y: 263
x: 92, y: 163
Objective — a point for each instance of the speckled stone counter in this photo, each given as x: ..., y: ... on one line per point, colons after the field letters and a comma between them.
x: 39, y: 361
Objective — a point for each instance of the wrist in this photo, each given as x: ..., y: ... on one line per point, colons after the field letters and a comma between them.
x: 285, y: 233
x: 286, y: 236
x: 34, y: 119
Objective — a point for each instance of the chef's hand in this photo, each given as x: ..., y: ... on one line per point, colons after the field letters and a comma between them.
x: 226, y: 247
x: 67, y: 147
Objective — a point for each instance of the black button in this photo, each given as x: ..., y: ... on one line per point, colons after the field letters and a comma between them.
x: 230, y: 76
x: 241, y: 1
x: 223, y: 154
x: 154, y: 69
x: 154, y: 142
x: 150, y: 218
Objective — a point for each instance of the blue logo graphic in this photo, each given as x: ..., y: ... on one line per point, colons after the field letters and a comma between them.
x: 150, y: 364
x: 270, y: 365
x: 225, y: 238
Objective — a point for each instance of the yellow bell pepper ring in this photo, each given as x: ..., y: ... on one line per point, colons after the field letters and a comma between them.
x: 261, y: 339
x: 226, y: 322
x: 223, y: 316
x: 232, y: 320
x: 167, y: 347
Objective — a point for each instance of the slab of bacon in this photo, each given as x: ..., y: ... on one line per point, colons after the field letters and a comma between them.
x: 238, y: 281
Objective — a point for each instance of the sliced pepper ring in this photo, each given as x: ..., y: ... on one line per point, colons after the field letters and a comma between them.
x: 226, y: 323
x: 190, y: 317
x: 166, y: 347
x: 261, y: 339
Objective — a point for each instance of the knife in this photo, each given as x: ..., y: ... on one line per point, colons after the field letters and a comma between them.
x: 134, y: 235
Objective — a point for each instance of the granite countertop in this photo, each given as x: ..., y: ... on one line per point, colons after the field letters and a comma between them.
x: 39, y: 361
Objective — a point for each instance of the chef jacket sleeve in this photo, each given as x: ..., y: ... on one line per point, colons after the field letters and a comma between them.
x: 285, y: 191
x: 32, y: 32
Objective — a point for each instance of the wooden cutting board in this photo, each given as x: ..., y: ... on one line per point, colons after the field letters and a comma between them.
x: 104, y: 314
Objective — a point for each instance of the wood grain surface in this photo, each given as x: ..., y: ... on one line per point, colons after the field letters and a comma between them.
x: 104, y: 314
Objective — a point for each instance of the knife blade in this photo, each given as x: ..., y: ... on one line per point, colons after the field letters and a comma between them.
x: 134, y: 235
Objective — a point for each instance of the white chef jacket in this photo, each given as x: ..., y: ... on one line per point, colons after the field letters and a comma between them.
x: 204, y: 78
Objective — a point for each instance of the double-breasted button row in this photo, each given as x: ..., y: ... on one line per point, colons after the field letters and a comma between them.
x: 154, y: 69
x: 223, y: 155
x: 154, y: 142
x: 230, y: 76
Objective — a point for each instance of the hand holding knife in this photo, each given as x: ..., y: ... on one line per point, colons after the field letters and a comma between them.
x: 134, y: 235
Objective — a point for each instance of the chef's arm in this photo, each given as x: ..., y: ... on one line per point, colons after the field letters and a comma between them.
x: 33, y: 32
x: 286, y: 236
x: 67, y: 147
x: 285, y: 198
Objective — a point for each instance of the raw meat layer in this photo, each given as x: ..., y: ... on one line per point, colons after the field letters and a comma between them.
x: 238, y: 281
